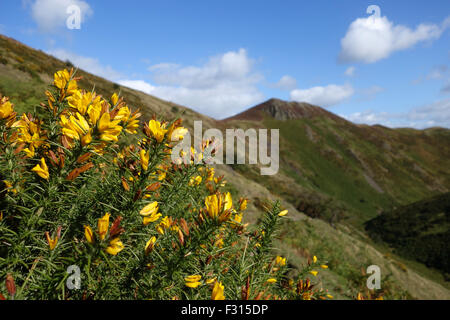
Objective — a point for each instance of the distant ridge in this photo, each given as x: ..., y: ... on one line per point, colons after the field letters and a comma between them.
x: 283, y: 110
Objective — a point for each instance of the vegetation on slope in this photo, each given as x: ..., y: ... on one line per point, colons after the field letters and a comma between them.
x: 420, y: 230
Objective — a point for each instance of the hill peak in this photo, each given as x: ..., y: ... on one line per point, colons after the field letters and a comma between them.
x: 282, y: 110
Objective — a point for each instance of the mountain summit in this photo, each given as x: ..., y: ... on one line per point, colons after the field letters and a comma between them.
x: 283, y: 110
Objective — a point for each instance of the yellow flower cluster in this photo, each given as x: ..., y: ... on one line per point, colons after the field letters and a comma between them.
x: 218, y: 291
x: 219, y: 206
x: 150, y: 213
x: 115, y: 245
x: 6, y: 110
x: 195, y: 181
x: 42, y: 169
x: 63, y: 81
x: 165, y: 224
x: 29, y: 133
x: 193, y: 281
x: 92, y: 116
x: 280, y: 261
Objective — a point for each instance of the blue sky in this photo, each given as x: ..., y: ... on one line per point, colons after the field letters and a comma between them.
x: 221, y: 57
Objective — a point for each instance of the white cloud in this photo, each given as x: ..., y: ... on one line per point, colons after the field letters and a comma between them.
x: 350, y: 71
x: 374, y: 38
x: 163, y: 66
x: 140, y: 85
x: 233, y: 66
x: 437, y: 113
x: 88, y: 64
x: 323, y: 96
x: 221, y: 87
x: 286, y: 83
x: 218, y: 101
x: 51, y: 15
x: 369, y: 117
x: 433, y: 114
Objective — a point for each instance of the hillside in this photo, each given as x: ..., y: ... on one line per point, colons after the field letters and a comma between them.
x: 362, y: 170
x: 330, y: 168
x: 420, y: 230
x: 25, y: 73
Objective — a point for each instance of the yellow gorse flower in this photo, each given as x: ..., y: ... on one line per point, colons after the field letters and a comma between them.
x: 243, y: 205
x: 109, y: 130
x: 130, y: 121
x: 150, y: 213
x: 89, y: 234
x: 177, y: 134
x: 237, y: 218
x: 280, y: 261
x: 218, y: 291
x: 219, y: 243
x: 76, y: 128
x: 210, y: 174
x: 158, y: 131
x: 219, y: 205
x: 195, y: 181
x: 150, y: 245
x: 149, y: 209
x: 6, y: 108
x: 29, y: 132
x: 165, y: 224
x: 271, y: 280
x: 145, y: 156
x: 80, y: 101
x: 103, y: 226
x: 51, y: 242
x: 193, y: 281
x: 42, y: 169
x: 283, y: 213
x: 94, y: 110
x: 114, y: 98
x: 62, y: 80
x: 115, y: 246
x: 161, y: 175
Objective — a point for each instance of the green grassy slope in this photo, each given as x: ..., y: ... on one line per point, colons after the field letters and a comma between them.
x: 420, y: 230
x: 361, y: 169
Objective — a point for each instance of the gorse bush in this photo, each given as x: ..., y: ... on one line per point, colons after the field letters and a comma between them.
x: 84, y: 186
